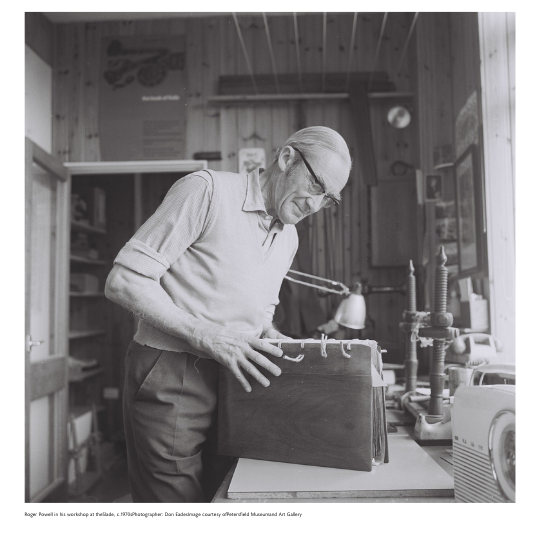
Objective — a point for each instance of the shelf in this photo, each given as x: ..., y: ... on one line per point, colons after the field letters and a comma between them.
x: 443, y: 166
x: 75, y: 294
x: 86, y: 260
x: 85, y: 375
x: 79, y: 410
x: 87, y: 228
x: 243, y: 98
x: 80, y: 334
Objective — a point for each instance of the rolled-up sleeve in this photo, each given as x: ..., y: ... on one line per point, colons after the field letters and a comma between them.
x: 176, y: 224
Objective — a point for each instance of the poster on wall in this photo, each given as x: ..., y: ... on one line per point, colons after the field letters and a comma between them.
x: 142, y: 98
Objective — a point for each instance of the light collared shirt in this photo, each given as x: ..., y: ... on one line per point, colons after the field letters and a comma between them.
x: 215, y: 251
x: 255, y: 203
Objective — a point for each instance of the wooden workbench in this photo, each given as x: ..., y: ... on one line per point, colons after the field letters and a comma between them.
x: 439, y: 454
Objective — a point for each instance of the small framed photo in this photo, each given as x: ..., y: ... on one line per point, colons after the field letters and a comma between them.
x: 250, y: 159
x: 433, y: 187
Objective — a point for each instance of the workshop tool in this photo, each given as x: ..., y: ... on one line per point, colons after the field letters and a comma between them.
x: 441, y: 332
x: 416, y: 402
x: 410, y: 316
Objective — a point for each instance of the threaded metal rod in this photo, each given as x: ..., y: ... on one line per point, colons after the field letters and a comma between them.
x: 436, y: 377
x: 411, y: 364
x: 411, y: 358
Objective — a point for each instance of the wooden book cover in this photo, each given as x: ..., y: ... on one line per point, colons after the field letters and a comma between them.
x: 325, y: 409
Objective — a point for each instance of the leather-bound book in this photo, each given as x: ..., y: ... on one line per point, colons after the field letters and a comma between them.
x: 325, y: 409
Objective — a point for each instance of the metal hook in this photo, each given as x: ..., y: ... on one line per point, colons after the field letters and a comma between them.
x: 323, y: 345
x: 343, y: 351
x: 299, y: 358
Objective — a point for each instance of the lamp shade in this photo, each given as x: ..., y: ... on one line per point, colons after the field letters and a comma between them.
x: 352, y: 310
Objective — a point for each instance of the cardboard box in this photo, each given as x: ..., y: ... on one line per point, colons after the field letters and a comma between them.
x: 83, y: 428
x: 475, y: 315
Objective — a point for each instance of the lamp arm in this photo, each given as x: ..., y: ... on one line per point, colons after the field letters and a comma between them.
x: 369, y: 289
x: 345, y: 289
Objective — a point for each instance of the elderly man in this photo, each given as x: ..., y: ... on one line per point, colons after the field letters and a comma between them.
x: 203, y: 274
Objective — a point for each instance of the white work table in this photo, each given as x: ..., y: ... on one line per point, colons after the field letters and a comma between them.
x: 414, y: 474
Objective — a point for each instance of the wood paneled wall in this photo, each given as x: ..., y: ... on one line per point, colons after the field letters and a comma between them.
x: 213, y: 49
x: 339, y: 238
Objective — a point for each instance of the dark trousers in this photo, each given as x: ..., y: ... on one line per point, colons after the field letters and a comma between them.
x: 169, y: 419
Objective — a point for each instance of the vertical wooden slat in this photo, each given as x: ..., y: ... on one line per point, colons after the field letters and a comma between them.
x: 247, y: 134
x: 511, y: 48
x: 78, y: 61
x: 283, y: 49
x: 347, y: 194
x: 63, y: 241
x: 194, y: 71
x: 28, y: 283
x: 227, y: 46
x: 229, y: 138
x: 397, y: 28
x: 61, y: 88
x: 210, y: 68
x: 215, y: 72
x: 91, y: 91
x: 497, y: 108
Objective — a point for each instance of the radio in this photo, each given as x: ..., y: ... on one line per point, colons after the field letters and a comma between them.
x: 484, y: 443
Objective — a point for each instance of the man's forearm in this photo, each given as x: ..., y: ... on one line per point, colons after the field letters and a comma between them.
x: 147, y: 299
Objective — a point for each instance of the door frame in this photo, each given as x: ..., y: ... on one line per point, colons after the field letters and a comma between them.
x: 36, y: 384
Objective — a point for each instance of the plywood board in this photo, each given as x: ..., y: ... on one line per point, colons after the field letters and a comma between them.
x: 411, y: 472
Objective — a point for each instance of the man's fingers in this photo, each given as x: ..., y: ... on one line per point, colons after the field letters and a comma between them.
x: 266, y: 347
x: 264, y: 362
x: 254, y: 372
x: 240, y: 376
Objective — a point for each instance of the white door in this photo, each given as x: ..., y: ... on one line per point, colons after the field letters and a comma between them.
x: 46, y: 346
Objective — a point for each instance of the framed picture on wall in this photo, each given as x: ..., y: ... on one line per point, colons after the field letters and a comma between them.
x: 469, y: 206
x: 433, y: 191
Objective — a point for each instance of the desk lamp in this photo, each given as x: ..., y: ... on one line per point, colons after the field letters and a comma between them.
x: 351, y: 312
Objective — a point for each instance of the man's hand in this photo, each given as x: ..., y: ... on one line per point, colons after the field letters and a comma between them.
x: 237, y: 352
x: 274, y: 333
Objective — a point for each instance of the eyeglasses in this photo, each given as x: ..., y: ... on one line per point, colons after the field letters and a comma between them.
x: 319, y: 188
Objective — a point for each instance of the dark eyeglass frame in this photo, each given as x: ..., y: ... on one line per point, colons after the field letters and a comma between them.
x: 334, y: 200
